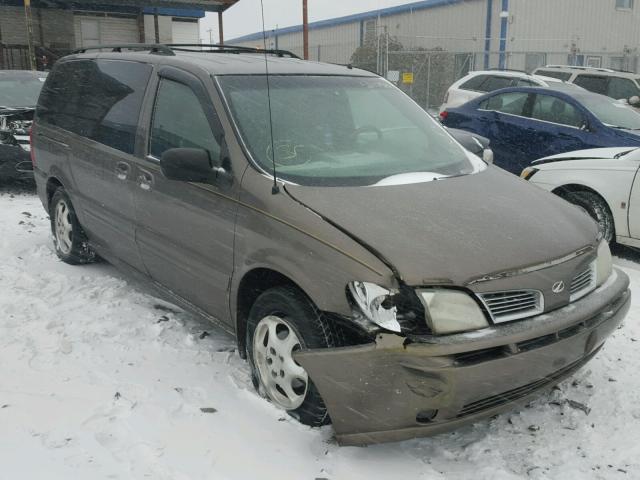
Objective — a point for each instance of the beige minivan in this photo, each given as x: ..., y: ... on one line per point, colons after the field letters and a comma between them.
x: 376, y: 274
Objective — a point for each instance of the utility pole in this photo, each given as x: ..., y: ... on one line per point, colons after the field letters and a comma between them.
x: 305, y: 30
x: 220, y: 29
x: 210, y: 36
x: 29, y: 22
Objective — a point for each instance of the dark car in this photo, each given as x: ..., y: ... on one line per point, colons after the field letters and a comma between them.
x: 354, y: 253
x: 474, y: 143
x: 525, y: 124
x: 19, y: 92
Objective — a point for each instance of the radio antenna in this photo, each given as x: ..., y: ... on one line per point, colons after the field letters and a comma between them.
x: 274, y: 189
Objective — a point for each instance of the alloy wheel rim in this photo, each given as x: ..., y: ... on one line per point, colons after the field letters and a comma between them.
x: 284, y: 380
x: 63, y: 227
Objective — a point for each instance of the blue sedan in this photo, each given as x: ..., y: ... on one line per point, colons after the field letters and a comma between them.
x: 525, y: 123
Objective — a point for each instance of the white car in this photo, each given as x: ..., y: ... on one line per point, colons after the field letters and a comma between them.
x: 478, y: 83
x: 603, y: 181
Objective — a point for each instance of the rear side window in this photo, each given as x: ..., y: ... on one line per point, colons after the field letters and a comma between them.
x: 621, y: 88
x: 97, y: 99
x: 496, y: 83
x: 556, y: 110
x: 512, y: 103
x: 554, y: 74
x: 179, y: 121
x: 474, y: 83
x: 593, y: 83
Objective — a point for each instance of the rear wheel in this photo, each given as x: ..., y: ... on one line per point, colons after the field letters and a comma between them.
x: 597, y: 209
x: 69, y: 239
x: 283, y: 321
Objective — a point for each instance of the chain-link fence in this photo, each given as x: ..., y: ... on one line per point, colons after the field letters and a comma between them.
x: 425, y: 71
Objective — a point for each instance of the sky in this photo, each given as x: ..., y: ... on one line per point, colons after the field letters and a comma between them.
x: 244, y: 17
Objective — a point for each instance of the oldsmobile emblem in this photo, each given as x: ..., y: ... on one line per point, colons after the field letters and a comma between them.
x: 558, y: 287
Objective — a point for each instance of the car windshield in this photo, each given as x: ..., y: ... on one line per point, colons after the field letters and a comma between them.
x: 20, y: 91
x: 333, y: 130
x: 611, y: 112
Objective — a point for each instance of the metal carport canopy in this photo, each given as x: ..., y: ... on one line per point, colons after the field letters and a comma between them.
x: 208, y: 5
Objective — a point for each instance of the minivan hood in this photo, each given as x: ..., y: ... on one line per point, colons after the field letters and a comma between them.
x: 457, y: 229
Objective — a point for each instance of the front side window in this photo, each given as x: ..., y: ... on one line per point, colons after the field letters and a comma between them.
x: 622, y: 88
x: 593, y: 83
x: 512, y: 103
x: 179, y: 121
x: 334, y: 130
x: 611, y: 112
x: 556, y: 110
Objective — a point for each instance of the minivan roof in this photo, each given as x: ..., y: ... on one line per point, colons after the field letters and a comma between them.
x: 225, y: 63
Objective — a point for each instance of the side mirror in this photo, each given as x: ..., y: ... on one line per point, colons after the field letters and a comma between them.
x: 187, y: 165
x: 634, y: 101
x: 487, y: 155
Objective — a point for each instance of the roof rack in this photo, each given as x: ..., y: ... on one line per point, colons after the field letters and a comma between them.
x: 153, y: 48
x: 218, y: 48
x: 580, y: 67
x: 505, y: 70
x: 170, y: 49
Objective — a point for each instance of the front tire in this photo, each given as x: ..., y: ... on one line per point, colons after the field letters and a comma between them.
x: 282, y: 321
x: 70, y: 242
x: 597, y: 208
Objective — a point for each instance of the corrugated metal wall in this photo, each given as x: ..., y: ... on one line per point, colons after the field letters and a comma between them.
x: 549, y: 29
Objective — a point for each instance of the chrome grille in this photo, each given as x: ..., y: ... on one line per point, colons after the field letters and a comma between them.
x: 513, y: 304
x: 583, y: 283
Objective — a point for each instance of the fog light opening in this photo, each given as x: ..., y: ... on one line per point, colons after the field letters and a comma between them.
x: 426, y: 416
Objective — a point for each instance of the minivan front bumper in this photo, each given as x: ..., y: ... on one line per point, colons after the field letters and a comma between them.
x: 399, y: 388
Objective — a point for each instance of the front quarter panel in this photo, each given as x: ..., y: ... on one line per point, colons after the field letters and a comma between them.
x: 276, y: 232
x: 611, y: 178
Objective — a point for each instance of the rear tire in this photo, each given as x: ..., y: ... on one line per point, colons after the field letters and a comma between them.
x: 281, y: 312
x: 70, y: 241
x: 597, y: 209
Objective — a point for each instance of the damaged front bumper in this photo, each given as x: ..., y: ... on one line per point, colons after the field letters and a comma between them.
x: 399, y: 388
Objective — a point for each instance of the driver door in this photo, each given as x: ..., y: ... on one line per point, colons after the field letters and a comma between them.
x: 185, y: 230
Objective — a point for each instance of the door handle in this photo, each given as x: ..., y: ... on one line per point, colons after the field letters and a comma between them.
x: 145, y: 180
x: 122, y: 170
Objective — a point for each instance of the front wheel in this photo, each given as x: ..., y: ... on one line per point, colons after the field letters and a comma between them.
x: 283, y: 321
x: 69, y: 239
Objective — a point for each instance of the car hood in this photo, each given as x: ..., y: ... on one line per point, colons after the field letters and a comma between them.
x: 592, y: 153
x: 457, y: 229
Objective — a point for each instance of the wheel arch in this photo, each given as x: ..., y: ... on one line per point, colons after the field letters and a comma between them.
x: 251, y: 286
x: 565, y: 190
x: 53, y: 183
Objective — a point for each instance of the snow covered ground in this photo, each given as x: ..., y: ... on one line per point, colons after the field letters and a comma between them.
x: 100, y: 380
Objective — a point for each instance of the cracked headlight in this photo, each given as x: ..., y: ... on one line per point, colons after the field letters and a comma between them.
x: 451, y: 311
x: 370, y: 299
x: 604, y: 264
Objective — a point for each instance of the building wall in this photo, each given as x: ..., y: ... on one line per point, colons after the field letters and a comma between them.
x: 111, y: 29
x: 50, y: 27
x: 551, y: 28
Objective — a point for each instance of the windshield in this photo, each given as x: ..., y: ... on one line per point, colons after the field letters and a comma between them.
x: 20, y: 91
x: 611, y: 112
x: 340, y: 130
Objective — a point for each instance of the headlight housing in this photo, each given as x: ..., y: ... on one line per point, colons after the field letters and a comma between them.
x: 528, y: 172
x: 604, y: 263
x: 451, y: 311
x: 369, y: 298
